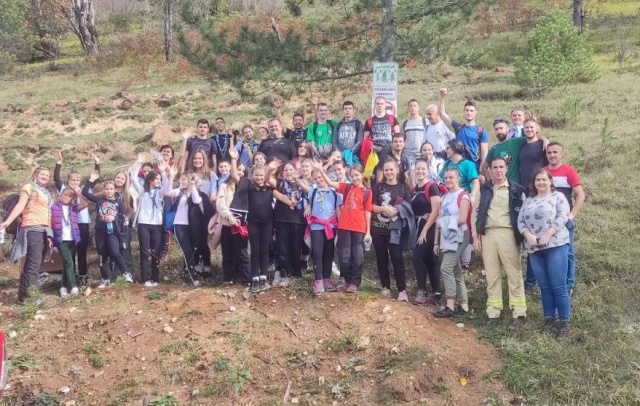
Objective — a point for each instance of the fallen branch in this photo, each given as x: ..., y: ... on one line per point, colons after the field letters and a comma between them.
x: 227, y: 332
x: 292, y: 330
x: 285, y: 400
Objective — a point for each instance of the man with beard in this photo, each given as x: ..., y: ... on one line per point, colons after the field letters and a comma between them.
x: 277, y: 146
x: 299, y: 133
x: 507, y: 149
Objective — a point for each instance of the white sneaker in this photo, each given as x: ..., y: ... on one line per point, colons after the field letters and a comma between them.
x: 155, y: 284
x: 148, y: 284
x: 277, y: 280
x: 74, y: 291
x: 128, y: 277
x: 384, y: 292
x: 284, y: 282
x: 104, y: 283
x: 335, y: 269
x: 199, y: 268
x: 63, y: 292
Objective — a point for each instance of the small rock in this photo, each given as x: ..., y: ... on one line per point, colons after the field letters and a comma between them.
x: 167, y: 329
x: 174, y: 319
x: 394, y: 350
x: 13, y: 334
x: 139, y: 312
x: 98, y: 374
x: 70, y: 403
x: 232, y: 309
x: 295, y: 312
x: 60, y: 335
x: 195, y: 393
x: 73, y: 309
x: 274, y: 301
x: 321, y: 380
x: 359, y: 368
x: 338, y: 368
x: 231, y: 295
x: 295, y: 401
x: 143, y: 359
x: 64, y: 390
x: 363, y: 342
x: 460, y: 325
x: 246, y: 295
x: 386, y: 309
x: 87, y: 292
x: 381, y: 319
x: 39, y: 317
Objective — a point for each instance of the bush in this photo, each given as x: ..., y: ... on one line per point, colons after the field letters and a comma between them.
x: 555, y: 55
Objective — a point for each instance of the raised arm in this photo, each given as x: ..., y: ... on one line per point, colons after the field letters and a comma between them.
x: 235, y: 177
x: 183, y: 149
x: 133, y: 174
x: 318, y: 166
x: 57, y: 154
x: 442, y: 94
x: 86, y: 191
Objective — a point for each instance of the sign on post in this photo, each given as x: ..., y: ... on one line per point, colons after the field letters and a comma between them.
x: 385, y: 83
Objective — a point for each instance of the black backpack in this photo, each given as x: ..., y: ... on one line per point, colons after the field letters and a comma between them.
x: 7, y: 207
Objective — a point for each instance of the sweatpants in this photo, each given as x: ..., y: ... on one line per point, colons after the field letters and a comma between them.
x: 108, y: 247
x: 322, y: 251
x: 183, y: 235
x: 351, y: 255
x: 235, y: 257
x: 81, y: 249
x: 385, y: 250
x: 260, y: 236
x: 289, y: 237
x: 425, y: 262
x: 36, y: 243
x: 454, y: 286
x: 67, y: 251
x: 150, y: 239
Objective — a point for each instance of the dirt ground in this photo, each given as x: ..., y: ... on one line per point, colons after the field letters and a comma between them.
x: 214, y: 346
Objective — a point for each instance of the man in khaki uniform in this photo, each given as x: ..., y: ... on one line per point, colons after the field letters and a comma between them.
x: 496, y: 236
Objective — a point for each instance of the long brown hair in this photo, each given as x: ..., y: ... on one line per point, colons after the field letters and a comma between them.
x: 533, y: 191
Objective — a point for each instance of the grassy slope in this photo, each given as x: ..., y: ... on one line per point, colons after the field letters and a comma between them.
x: 599, y: 365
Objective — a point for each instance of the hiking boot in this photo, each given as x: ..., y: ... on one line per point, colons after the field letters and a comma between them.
x: 516, y: 324
x: 549, y: 326
x: 564, y: 331
x: 264, y: 285
x: 491, y: 323
x: 317, y: 287
x: 402, y: 296
x: 43, y: 279
x: 444, y: 313
x: 328, y: 285
x: 255, y: 286
x: 155, y: 284
x: 277, y: 280
x: 63, y: 293
x: 104, y: 283
x: 432, y: 299
x: 421, y: 298
x: 341, y: 285
x: 127, y: 277
x: 351, y: 288
x: 459, y: 311
x: 74, y: 291
x: 385, y: 292
x: 284, y: 282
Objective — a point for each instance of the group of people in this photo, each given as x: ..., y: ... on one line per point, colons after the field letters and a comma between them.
x: 430, y: 185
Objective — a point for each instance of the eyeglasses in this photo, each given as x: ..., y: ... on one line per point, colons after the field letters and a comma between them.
x: 500, y: 121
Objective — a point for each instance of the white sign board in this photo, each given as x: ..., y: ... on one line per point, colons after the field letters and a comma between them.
x: 385, y: 83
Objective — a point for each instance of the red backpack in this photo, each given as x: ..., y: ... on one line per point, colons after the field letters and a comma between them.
x: 441, y: 188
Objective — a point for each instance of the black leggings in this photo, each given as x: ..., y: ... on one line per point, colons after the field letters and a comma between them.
x: 108, y: 247
x: 384, y: 250
x: 150, y: 240
x: 82, y: 247
x: 260, y: 236
x: 351, y: 255
x: 187, y: 246
x: 425, y: 262
x: 322, y: 251
x: 235, y: 258
x: 289, y: 237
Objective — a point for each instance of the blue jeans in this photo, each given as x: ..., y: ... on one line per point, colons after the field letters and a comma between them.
x: 571, y: 272
x: 550, y: 269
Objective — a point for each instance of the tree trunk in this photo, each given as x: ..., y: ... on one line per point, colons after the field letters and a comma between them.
x: 577, y: 14
x: 388, y: 37
x: 84, y: 25
x: 48, y: 44
x: 168, y: 31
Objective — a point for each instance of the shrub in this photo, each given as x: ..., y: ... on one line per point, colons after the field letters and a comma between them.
x: 555, y: 55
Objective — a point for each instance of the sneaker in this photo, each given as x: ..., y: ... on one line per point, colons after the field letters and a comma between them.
x: 43, y: 278
x: 104, y: 283
x: 75, y: 291
x: 564, y: 331
x: 284, y: 282
x: 420, y: 299
x: 549, y: 326
x: 335, y: 269
x: 402, y: 296
x: 199, y: 268
x: 255, y: 286
x: 433, y: 299
x: 351, y: 288
x: 385, y: 292
x: 516, y: 325
x: 148, y: 284
x: 459, y: 311
x: 328, y: 285
x: 342, y: 284
x: 264, y: 285
x: 155, y: 284
x: 317, y: 287
x: 444, y: 313
x: 127, y: 277
x: 277, y: 280
x: 63, y: 293
x: 491, y: 323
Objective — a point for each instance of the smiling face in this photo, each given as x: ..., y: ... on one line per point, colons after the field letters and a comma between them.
x: 397, y: 144
x: 167, y: 154
x: 120, y: 179
x: 224, y: 168
x: 339, y: 171
x: 198, y: 160
x: 157, y: 182
x: 220, y: 126
x: 421, y: 170
x: 554, y: 155
x: 247, y: 132
x: 242, y: 170
x: 356, y: 177
x: 530, y: 129
x: 259, y: 160
x: 469, y: 113
x: 323, y: 112
x: 517, y: 117
x: 41, y: 176
x: 67, y: 196
x: 319, y: 179
x: 302, y: 150
x: 109, y: 190
x: 426, y: 151
x: 432, y: 114
x: 451, y: 179
x: 390, y: 171
x: 263, y: 133
x: 298, y: 122
x: 501, y: 129
x: 258, y: 176
x: 74, y: 180
x: 543, y: 182
x: 184, y: 181
x: 275, y: 128
x: 288, y: 171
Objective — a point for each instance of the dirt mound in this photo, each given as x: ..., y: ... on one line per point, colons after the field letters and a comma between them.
x: 211, y: 346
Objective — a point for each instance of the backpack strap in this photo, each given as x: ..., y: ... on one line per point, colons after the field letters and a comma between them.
x: 369, y: 123
x: 458, y: 128
x: 424, y: 123
x: 404, y: 127
x: 480, y: 131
